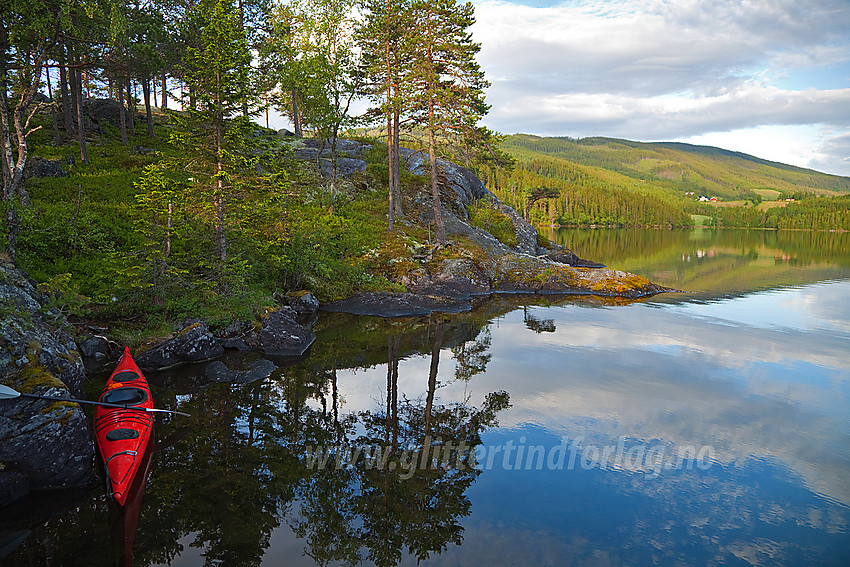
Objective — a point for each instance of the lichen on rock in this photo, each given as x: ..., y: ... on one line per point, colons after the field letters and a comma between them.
x: 193, y: 343
x: 43, y: 444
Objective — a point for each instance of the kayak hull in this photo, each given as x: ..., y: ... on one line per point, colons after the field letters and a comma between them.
x: 123, y: 434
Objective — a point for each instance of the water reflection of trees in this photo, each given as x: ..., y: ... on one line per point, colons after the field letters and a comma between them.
x: 405, y: 491
x: 620, y: 246
x: 242, y: 471
x: 536, y: 324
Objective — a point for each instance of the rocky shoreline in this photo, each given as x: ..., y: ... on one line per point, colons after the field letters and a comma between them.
x: 47, y: 445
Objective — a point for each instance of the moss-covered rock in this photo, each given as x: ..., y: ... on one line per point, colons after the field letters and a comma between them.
x: 193, y: 343
x: 32, y: 335
x: 43, y: 444
x: 524, y: 274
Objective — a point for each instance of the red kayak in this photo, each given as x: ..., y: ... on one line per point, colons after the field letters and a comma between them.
x: 122, y: 434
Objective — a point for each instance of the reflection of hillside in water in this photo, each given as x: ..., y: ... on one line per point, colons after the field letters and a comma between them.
x: 716, y: 262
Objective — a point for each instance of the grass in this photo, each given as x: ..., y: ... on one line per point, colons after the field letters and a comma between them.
x: 768, y: 194
x: 765, y: 205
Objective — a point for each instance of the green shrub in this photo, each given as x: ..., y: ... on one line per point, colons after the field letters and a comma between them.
x: 485, y: 216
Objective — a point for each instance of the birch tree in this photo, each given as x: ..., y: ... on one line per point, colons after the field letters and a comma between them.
x: 28, y: 31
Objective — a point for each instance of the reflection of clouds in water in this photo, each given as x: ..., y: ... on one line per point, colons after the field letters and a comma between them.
x: 828, y: 303
x: 708, y: 392
x: 638, y: 326
x: 817, y: 306
x: 662, y: 373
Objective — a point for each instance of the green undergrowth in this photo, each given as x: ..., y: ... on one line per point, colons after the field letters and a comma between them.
x: 128, y: 239
x: 484, y: 215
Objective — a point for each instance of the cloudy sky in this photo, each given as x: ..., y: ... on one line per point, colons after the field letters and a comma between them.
x: 767, y: 77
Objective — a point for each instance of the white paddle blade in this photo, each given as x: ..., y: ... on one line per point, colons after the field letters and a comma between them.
x: 7, y: 393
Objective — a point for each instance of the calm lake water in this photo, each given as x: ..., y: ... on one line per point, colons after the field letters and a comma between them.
x: 702, y: 428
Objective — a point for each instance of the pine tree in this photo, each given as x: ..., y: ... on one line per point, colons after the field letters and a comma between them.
x: 446, y: 85
x: 214, y: 129
x: 380, y: 37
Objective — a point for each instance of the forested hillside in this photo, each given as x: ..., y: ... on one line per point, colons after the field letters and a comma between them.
x: 606, y: 181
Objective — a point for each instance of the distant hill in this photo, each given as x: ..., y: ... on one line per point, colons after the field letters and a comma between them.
x: 717, y: 172
x: 625, y: 183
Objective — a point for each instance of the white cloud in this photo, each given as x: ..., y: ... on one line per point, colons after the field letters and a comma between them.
x: 669, y: 69
x: 834, y: 153
x: 668, y: 116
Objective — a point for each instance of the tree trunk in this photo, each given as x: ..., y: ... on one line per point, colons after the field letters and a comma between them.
x: 390, y: 144
x: 13, y: 170
x: 21, y: 108
x: 54, y: 114
x: 5, y: 138
x: 432, y: 376
x: 394, y: 397
x: 433, y: 77
x: 399, y: 211
x: 77, y: 90
x: 164, y: 104
x: 296, y: 116
x: 218, y: 201
x: 333, y: 173
x: 131, y: 109
x: 66, y: 97
x: 319, y: 153
x: 439, y: 230
x: 388, y: 416
x: 220, y: 243
x: 390, y: 170
x: 146, y: 91
x: 122, y: 114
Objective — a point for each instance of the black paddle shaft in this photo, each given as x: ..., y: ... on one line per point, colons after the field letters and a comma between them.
x: 106, y: 404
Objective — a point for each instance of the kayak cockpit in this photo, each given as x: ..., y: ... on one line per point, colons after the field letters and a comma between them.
x: 128, y: 396
x: 125, y: 376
